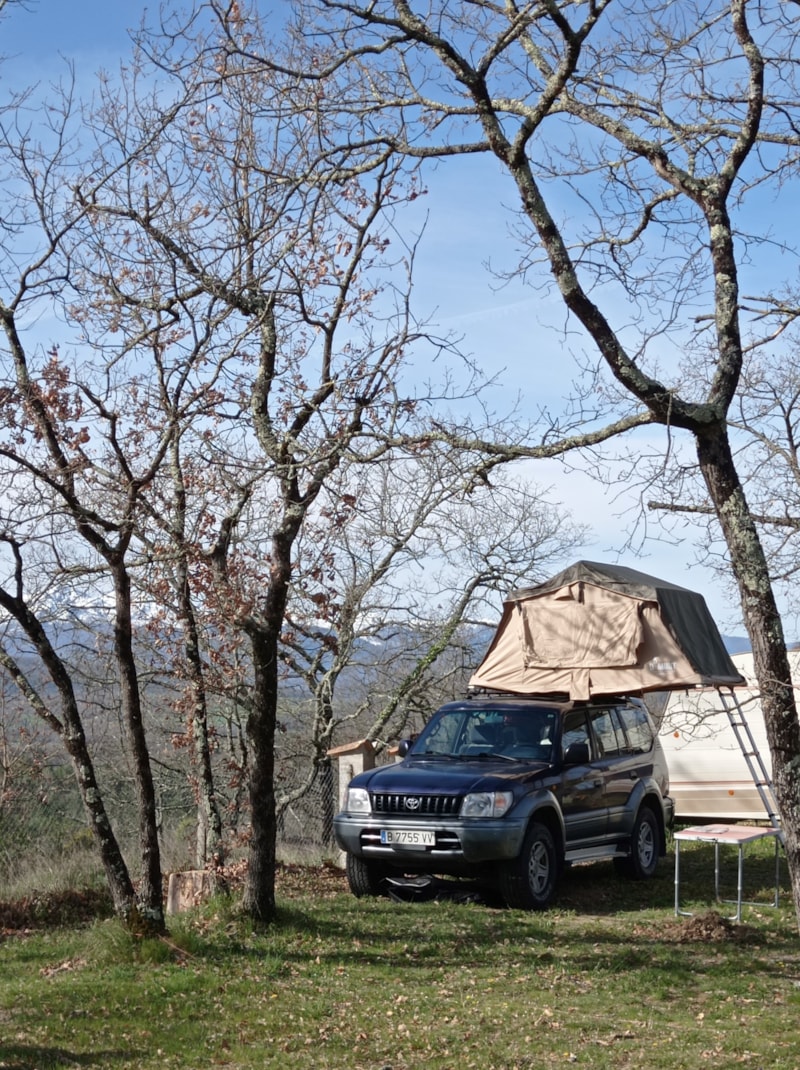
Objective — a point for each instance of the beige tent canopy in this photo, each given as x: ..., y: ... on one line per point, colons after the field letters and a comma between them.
x: 598, y: 629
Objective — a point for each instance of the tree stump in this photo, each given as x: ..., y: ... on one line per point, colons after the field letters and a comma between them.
x: 186, y: 890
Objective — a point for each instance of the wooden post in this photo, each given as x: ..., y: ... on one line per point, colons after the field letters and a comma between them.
x: 352, y: 758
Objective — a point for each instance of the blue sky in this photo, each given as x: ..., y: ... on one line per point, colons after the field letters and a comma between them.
x: 506, y: 329
x: 91, y: 32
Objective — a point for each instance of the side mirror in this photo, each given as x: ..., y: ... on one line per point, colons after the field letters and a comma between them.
x: 403, y: 747
x: 577, y: 754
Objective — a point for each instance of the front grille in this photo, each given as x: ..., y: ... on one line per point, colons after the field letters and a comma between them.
x: 416, y: 805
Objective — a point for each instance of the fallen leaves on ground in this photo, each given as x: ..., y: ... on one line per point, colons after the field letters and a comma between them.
x: 709, y: 927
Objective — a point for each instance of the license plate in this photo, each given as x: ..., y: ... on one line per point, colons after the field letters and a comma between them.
x: 408, y: 837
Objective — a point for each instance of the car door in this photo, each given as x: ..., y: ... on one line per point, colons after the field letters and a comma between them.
x: 583, y: 801
x: 627, y: 730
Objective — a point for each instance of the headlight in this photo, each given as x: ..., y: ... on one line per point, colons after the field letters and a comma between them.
x: 358, y: 801
x: 486, y: 803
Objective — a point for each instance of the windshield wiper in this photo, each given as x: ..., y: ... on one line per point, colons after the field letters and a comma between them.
x: 486, y: 754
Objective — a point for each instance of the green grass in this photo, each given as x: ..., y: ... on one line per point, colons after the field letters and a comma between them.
x: 608, y: 978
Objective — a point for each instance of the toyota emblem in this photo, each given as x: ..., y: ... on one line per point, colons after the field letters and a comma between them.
x: 413, y: 803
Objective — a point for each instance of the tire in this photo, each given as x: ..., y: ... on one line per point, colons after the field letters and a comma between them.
x: 645, y: 847
x: 529, y: 882
x: 364, y: 878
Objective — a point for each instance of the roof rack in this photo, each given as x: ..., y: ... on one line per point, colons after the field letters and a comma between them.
x: 545, y: 696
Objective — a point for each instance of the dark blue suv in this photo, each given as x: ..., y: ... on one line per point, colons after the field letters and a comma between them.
x: 507, y: 791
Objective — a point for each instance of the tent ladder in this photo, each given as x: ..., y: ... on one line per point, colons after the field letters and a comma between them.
x: 752, y: 755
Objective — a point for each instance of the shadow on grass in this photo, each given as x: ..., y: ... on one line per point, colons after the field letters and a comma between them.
x: 599, y: 919
x: 35, y: 1057
x: 598, y: 889
x: 656, y: 954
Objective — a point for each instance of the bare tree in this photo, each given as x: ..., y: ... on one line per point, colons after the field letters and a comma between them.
x: 68, y: 727
x: 231, y: 238
x: 32, y: 410
x: 240, y: 321
x: 765, y: 431
x: 398, y: 565
x: 73, y: 481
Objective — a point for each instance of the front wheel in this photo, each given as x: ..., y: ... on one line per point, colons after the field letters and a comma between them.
x: 364, y: 878
x: 643, y: 860
x: 529, y: 882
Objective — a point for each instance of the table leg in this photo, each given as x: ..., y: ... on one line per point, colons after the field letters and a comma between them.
x: 740, y: 885
x: 716, y: 871
x: 777, y: 873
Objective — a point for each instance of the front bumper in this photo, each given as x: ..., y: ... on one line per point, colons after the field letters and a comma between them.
x: 459, y: 842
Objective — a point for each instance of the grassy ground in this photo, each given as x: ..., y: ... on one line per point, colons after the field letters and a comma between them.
x: 608, y: 978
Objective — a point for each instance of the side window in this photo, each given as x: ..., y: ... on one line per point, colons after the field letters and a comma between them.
x: 608, y: 733
x: 637, y: 728
x: 576, y: 730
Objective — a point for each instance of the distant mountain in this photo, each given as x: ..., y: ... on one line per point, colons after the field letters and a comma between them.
x: 736, y: 644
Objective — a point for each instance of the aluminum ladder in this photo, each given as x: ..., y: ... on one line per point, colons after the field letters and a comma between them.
x: 752, y: 755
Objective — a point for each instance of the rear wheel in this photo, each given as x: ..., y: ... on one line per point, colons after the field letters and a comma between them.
x: 645, y: 839
x: 365, y: 878
x: 529, y: 882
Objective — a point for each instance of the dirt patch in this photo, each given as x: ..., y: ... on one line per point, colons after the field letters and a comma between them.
x: 709, y: 928
x: 53, y: 910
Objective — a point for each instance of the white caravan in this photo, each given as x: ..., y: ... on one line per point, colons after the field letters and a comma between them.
x: 708, y: 773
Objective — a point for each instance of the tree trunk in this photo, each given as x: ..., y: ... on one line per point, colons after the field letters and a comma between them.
x: 150, y: 902
x: 210, y: 849
x: 327, y: 805
x: 763, y: 623
x: 259, y: 893
x: 71, y: 732
x: 116, y: 871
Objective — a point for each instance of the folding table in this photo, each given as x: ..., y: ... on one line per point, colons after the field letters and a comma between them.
x: 739, y: 836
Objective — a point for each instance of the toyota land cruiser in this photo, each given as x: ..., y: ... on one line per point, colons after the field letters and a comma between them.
x: 508, y: 790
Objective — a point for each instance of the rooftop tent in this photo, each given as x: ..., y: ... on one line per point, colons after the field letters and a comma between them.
x: 598, y: 629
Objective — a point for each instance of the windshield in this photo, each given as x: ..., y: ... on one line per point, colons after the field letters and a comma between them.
x: 521, y: 734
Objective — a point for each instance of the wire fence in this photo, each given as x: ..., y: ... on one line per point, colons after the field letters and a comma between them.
x: 46, y: 841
